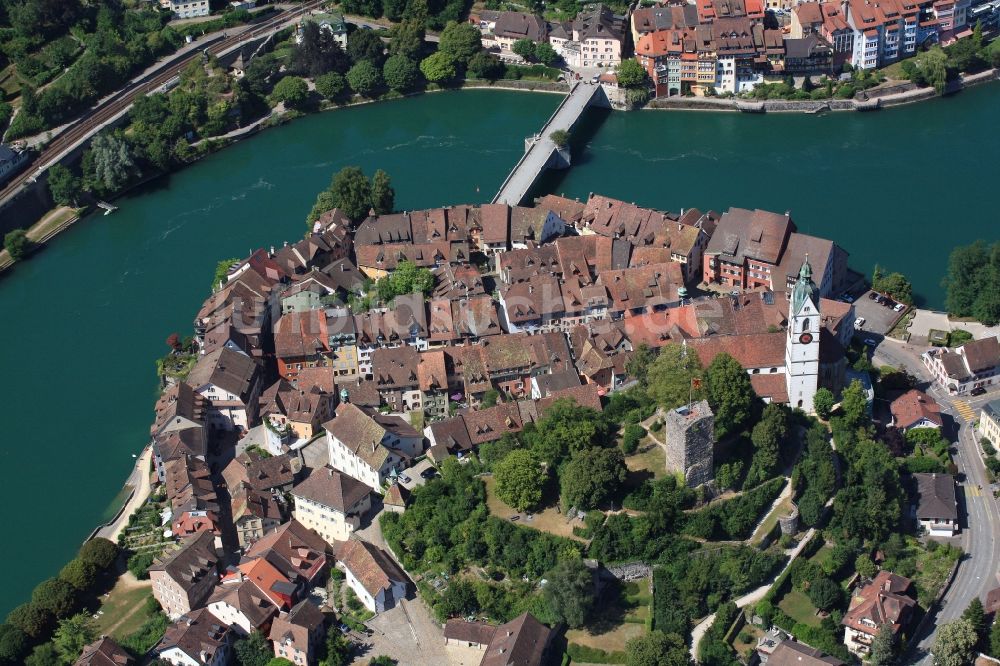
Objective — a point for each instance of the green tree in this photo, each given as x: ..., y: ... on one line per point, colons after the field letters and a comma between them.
x: 291, y: 90
x: 365, y: 45
x: 995, y: 639
x: 364, y: 78
x: 383, y: 196
x: 43, y: 655
x: 560, y: 137
x: 408, y: 278
x: 438, y: 67
x: 656, y: 649
x: 280, y: 661
x: 55, y: 596
x: 566, y: 428
x: 976, y: 616
x: 524, y: 47
x: 823, y: 403
x: 382, y: 660
x: 31, y: 619
x: 16, y: 243
x: 13, y: 644
x: 638, y: 364
x: 351, y: 192
x: 631, y: 74
x: 592, y: 477
x: 331, y: 85
x: 490, y: 398
x: 825, y: 594
x: 74, y: 633
x: 317, y: 53
x: 338, y: 650
x: 670, y: 376
x: 865, y: 567
x: 569, y: 591
x: 407, y: 40
x: 519, y: 480
x: 485, y: 65
x: 954, y: 644
x: 767, y: 437
x: 79, y: 574
x: 883, y: 647
x: 729, y: 394
x: 254, y: 650
x: 854, y: 405
x: 109, y: 164
x: 895, y: 285
x: 545, y: 54
x: 63, y: 185
x: 461, y: 41
x: 400, y: 72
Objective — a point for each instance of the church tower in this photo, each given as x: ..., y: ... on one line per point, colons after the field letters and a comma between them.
x: 802, y: 342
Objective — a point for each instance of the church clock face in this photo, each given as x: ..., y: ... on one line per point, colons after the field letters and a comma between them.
x: 806, y: 338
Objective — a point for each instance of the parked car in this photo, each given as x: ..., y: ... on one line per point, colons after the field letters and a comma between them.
x: 404, y: 478
x: 847, y: 298
x: 859, y: 322
x: 872, y: 295
x: 979, y: 390
x: 899, y: 307
x: 871, y: 342
x: 429, y: 473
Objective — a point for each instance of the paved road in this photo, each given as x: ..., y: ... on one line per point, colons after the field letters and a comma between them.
x: 977, y: 572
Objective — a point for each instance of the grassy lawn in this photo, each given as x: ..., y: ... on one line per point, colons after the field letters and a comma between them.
x: 798, y: 607
x: 895, y: 70
x: 783, y: 509
x: 650, y: 457
x: 746, y: 639
x: 124, y: 610
x: 51, y: 221
x: 622, y: 615
x: 549, y: 520
x: 822, y: 556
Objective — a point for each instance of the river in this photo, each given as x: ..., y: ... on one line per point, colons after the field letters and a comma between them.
x: 79, y: 368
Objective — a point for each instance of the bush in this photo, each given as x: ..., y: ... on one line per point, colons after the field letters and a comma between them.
x: 633, y: 435
x: 16, y: 243
x: 139, y: 563
x: 988, y: 447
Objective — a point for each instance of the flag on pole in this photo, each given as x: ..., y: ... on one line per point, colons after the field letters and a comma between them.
x: 696, y: 383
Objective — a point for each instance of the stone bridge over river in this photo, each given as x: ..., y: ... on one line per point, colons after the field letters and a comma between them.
x: 541, y: 152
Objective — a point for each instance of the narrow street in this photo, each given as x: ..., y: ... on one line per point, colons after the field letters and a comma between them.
x: 978, y: 569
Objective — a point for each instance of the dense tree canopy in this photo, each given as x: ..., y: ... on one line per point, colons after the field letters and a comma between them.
x: 438, y: 67
x: 954, y: 644
x: 823, y: 403
x: 74, y: 633
x: 400, y: 72
x: 729, y: 394
x: 461, y: 41
x: 109, y: 164
x: 408, y: 278
x: 569, y: 591
x: 364, y: 77
x: 631, y: 74
x: 670, y: 376
x: 520, y: 480
x: 331, y: 85
x: 895, y: 285
x: 351, y: 192
x: 16, y: 243
x: 318, y: 53
x: 657, y: 649
x: 292, y: 91
x: 64, y: 187
x: 973, y: 282
x: 254, y: 650
x: 592, y: 477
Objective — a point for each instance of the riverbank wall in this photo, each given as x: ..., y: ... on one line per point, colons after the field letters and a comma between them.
x: 896, y: 94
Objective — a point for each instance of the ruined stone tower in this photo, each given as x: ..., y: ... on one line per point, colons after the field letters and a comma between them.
x: 689, y: 434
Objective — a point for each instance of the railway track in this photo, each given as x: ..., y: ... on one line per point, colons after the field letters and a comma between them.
x: 92, y: 120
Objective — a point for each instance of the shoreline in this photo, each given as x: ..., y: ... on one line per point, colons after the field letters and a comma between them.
x: 702, y: 104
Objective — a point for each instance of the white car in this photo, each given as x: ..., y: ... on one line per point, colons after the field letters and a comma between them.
x: 859, y: 322
x: 899, y: 307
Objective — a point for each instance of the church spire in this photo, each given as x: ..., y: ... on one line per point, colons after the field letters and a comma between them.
x: 804, y: 288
